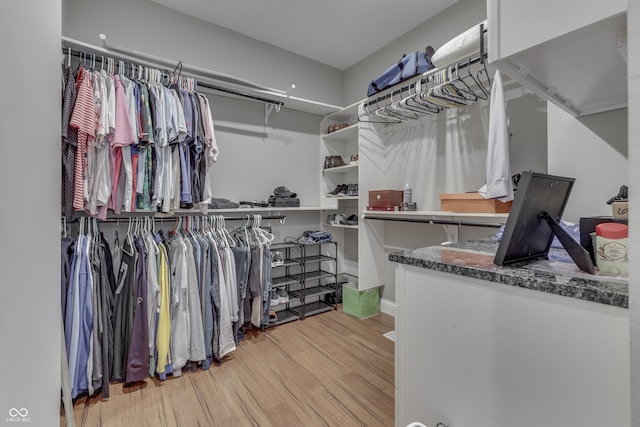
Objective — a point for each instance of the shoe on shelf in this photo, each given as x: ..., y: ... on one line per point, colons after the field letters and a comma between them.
x: 273, y: 316
x: 354, y: 159
x: 331, y: 218
x: 336, y: 190
x: 339, y: 219
x: 327, y: 162
x: 283, y: 296
x: 337, y: 126
x: 275, y: 298
x: 352, y: 220
x: 352, y: 190
x: 336, y: 161
x: 343, y: 191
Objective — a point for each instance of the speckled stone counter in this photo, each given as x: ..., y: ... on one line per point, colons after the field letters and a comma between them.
x: 475, y: 259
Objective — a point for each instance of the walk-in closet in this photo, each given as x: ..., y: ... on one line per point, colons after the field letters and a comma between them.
x: 221, y: 214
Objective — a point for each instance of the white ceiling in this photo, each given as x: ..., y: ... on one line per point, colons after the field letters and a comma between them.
x: 338, y: 33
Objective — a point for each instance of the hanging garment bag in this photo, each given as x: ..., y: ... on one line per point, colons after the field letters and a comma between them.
x: 409, y: 66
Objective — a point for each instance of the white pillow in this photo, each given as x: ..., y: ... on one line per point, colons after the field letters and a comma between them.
x: 461, y: 47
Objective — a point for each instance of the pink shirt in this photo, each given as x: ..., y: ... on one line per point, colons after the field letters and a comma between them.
x: 123, y: 133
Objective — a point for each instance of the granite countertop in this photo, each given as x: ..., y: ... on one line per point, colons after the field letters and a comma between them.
x: 475, y: 259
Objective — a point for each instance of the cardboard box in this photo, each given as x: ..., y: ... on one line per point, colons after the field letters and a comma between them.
x: 620, y: 210
x: 472, y: 202
x: 385, y: 198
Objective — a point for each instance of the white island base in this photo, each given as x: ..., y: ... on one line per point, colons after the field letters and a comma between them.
x: 474, y: 353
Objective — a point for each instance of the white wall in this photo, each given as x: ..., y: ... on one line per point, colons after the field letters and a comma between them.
x: 435, y: 32
x: 151, y: 28
x: 592, y: 149
x: 29, y: 220
x: 633, y: 37
x: 256, y: 158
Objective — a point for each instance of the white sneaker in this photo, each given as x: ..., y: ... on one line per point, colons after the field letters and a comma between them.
x: 275, y: 299
x: 283, y: 296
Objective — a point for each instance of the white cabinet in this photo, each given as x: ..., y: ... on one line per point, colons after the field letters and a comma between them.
x: 570, y: 53
x: 476, y: 353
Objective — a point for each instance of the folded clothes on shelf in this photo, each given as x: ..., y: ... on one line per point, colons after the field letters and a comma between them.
x: 217, y: 203
x: 311, y: 237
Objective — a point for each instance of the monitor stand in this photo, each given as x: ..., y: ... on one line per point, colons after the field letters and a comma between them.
x: 578, y: 254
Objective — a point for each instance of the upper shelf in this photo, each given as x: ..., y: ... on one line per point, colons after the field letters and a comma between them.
x: 344, y: 114
x: 583, y: 71
x: 345, y: 134
x: 465, y: 217
x: 342, y: 169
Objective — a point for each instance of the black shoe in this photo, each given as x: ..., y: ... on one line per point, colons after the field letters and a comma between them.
x: 336, y: 190
x: 343, y: 191
x: 352, y: 190
x: 352, y: 220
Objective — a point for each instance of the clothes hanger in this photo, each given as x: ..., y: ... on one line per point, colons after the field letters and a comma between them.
x: 419, y: 102
x: 385, y: 118
x: 396, y: 107
x: 465, y: 90
x: 484, y: 94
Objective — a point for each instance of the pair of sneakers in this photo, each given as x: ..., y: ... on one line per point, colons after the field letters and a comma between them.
x: 344, y: 190
x: 279, y: 296
x: 342, y: 219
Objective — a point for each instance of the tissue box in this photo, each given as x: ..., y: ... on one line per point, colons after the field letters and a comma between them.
x: 472, y: 202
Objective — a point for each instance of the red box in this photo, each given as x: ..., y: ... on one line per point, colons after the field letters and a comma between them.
x: 383, y: 208
x: 385, y: 198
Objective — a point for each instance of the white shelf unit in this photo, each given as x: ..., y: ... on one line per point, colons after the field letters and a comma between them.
x: 344, y: 143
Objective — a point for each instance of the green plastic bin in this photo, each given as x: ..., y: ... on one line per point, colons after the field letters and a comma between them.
x: 360, y: 304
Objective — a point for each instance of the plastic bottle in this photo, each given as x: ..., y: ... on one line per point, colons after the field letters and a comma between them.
x: 407, y: 193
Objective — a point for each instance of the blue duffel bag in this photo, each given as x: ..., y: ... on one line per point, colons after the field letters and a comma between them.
x: 409, y: 66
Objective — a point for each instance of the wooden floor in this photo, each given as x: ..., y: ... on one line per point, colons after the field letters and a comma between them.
x: 331, y: 369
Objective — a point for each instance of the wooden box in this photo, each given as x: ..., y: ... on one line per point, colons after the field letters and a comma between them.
x: 472, y: 202
x: 385, y: 198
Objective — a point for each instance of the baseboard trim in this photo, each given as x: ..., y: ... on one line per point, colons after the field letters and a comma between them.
x: 388, y: 307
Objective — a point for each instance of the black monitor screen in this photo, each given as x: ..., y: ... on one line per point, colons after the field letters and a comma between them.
x: 526, y: 234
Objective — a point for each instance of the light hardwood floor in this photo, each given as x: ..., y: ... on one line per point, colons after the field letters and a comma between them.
x: 331, y: 369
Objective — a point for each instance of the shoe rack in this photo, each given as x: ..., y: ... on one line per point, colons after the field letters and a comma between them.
x: 283, y: 278
x: 339, y: 192
x: 305, y: 278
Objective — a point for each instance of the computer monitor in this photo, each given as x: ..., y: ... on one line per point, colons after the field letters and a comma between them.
x: 534, y: 220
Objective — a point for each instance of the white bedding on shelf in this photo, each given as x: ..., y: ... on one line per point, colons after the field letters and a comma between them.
x: 460, y: 47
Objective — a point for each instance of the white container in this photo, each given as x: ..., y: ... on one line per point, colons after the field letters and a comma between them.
x: 612, y: 242
x: 408, y: 196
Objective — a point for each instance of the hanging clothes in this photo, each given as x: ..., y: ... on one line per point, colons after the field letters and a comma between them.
x: 138, y: 355
x: 124, y: 308
x: 69, y: 145
x: 498, y: 182
x: 129, y: 144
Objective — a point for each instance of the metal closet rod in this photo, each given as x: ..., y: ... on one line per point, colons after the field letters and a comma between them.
x: 428, y: 75
x: 84, y: 55
x: 171, y: 218
x: 436, y: 221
